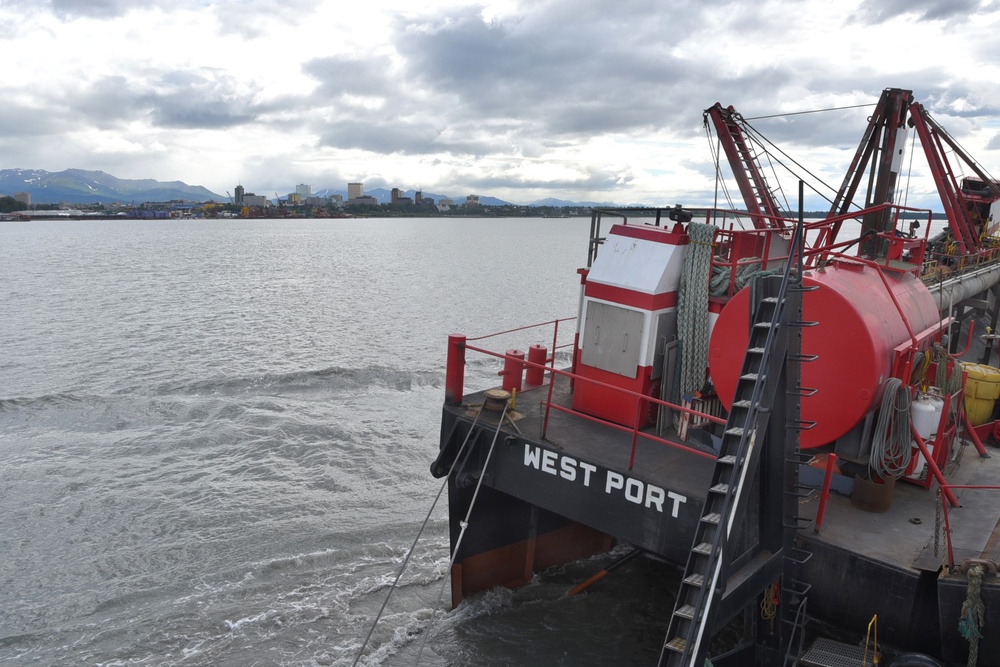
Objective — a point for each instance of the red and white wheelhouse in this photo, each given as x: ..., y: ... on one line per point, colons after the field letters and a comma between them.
x: 628, y: 311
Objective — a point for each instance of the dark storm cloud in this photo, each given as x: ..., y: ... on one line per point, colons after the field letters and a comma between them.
x: 880, y: 11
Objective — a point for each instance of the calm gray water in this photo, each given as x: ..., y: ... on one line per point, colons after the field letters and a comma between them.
x: 215, y: 441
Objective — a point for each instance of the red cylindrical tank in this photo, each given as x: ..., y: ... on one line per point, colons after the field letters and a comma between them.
x: 859, y: 326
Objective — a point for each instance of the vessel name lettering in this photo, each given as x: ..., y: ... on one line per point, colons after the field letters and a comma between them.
x: 634, y: 490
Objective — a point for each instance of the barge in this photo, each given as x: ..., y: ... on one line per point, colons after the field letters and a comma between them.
x: 783, y: 411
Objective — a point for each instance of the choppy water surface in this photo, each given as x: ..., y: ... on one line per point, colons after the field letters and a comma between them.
x: 216, y: 439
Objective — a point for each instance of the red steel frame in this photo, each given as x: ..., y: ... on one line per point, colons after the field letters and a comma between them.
x: 765, y: 212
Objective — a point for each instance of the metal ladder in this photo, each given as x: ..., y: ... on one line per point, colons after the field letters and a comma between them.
x: 686, y: 643
x: 771, y: 361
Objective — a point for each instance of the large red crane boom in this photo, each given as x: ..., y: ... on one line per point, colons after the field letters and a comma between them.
x: 881, y: 149
x: 746, y: 167
x: 967, y: 203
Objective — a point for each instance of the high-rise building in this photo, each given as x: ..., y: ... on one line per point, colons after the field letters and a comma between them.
x: 399, y: 198
x: 355, y: 190
x: 239, y: 195
x: 23, y: 197
x: 303, y: 191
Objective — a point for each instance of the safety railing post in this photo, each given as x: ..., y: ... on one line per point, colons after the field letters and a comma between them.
x: 454, y: 379
x: 831, y: 462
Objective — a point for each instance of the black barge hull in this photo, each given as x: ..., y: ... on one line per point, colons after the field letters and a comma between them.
x: 541, y: 502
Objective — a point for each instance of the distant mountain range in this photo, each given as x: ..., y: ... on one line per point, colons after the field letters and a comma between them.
x: 79, y: 186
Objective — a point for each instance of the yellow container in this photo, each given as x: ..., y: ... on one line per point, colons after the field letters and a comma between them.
x: 981, y: 392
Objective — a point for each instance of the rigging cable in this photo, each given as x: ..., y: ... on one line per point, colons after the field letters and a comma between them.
x: 909, y: 170
x: 760, y: 138
x: 719, y: 181
x: 420, y: 532
x: 464, y: 524
x: 801, y: 113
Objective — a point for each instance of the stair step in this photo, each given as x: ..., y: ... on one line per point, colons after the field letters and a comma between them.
x: 721, y: 487
x: 687, y: 611
x: 695, y: 580
x: 705, y: 548
x: 750, y: 376
x: 743, y: 403
x: 736, y: 430
x: 796, y: 587
x: 676, y: 644
x: 762, y: 325
x: 830, y: 653
x: 798, y: 556
x: 756, y: 350
x: 712, y: 518
x: 728, y: 458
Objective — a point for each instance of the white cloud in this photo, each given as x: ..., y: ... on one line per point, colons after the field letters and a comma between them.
x: 521, y: 100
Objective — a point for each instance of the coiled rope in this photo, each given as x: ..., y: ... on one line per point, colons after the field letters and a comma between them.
x: 890, y: 451
x: 973, y: 613
x: 692, y: 308
x: 745, y: 273
x: 406, y: 560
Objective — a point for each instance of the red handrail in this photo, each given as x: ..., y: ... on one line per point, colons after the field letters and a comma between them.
x: 459, y: 346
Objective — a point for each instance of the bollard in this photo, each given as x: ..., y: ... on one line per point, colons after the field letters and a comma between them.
x: 513, y: 370
x: 537, y: 354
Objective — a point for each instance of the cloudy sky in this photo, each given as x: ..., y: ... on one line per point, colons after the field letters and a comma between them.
x: 521, y: 99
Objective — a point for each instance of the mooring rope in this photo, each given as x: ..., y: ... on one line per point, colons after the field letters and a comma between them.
x: 406, y: 560
x: 937, y: 528
x: 721, y: 275
x: 461, y: 535
x: 692, y: 308
x: 973, y: 613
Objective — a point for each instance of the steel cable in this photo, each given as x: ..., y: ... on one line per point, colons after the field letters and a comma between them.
x: 461, y: 535
x: 406, y: 560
